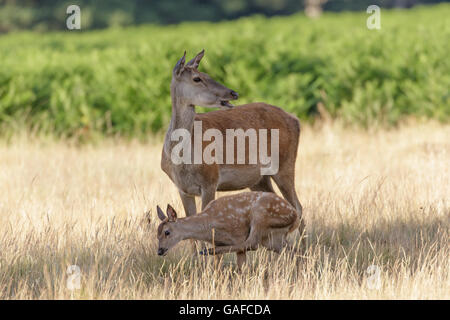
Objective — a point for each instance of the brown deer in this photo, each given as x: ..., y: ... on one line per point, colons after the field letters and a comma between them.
x: 190, y: 88
x: 236, y: 223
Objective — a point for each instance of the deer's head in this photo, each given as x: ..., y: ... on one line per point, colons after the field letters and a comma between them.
x: 167, y: 233
x: 197, y: 88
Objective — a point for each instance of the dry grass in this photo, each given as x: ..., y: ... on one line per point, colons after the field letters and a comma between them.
x: 378, y: 198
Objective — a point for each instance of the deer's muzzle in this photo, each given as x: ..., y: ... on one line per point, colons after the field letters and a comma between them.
x: 161, y: 251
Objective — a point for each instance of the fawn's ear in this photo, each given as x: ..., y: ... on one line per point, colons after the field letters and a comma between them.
x: 161, y: 214
x: 171, y: 213
x: 180, y: 65
x: 196, y: 61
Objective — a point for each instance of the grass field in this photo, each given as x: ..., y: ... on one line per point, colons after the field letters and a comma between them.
x: 370, y: 197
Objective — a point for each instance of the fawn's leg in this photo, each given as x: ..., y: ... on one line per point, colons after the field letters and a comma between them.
x: 275, y: 241
x: 278, y: 243
x: 251, y: 243
x: 241, y: 257
x: 229, y: 249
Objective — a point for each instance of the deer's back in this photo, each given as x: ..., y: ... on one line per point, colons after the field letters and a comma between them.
x: 232, y: 217
x: 245, y: 207
x: 256, y: 116
x: 233, y: 176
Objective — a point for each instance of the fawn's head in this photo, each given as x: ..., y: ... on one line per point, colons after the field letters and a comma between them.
x: 167, y: 235
x: 197, y: 88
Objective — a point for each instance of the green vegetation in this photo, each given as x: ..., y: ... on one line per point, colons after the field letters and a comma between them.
x: 117, y: 81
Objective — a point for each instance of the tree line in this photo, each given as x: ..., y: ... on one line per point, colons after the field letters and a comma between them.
x: 43, y: 15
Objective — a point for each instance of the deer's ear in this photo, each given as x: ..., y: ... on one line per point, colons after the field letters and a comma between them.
x: 171, y: 213
x: 161, y: 214
x: 196, y: 61
x: 180, y: 65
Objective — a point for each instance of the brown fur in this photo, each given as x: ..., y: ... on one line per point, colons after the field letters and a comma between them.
x: 204, y: 180
x: 236, y: 223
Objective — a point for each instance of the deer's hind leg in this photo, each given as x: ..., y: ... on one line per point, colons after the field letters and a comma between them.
x: 286, y: 183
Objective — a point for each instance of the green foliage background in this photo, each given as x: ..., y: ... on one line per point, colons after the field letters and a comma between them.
x: 117, y: 81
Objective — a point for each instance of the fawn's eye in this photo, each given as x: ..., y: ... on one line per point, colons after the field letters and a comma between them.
x: 197, y: 79
x: 167, y: 233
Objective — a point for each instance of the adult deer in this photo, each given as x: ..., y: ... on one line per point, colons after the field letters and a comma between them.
x: 237, y: 223
x: 190, y: 88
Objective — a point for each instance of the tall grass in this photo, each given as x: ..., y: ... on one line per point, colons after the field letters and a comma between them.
x: 370, y: 197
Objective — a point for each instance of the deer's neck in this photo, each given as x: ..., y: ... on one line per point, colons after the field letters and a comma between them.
x: 194, y: 227
x: 183, y: 113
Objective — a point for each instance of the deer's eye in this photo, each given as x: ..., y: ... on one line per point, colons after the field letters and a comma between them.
x: 167, y: 232
x: 197, y: 79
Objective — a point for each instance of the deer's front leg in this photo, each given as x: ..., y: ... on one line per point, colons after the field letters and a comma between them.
x: 208, y: 195
x: 188, y: 203
x: 190, y: 209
